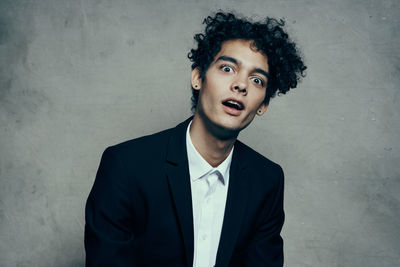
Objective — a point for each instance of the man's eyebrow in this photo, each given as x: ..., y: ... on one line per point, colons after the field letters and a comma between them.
x: 261, y: 71
x: 233, y: 60
x: 226, y: 58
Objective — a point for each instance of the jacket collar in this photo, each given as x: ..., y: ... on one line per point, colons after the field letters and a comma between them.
x: 236, y: 203
x: 177, y: 170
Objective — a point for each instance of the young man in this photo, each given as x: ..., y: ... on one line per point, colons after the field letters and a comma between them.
x: 194, y: 195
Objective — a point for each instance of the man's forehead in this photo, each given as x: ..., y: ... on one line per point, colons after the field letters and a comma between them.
x: 242, y: 52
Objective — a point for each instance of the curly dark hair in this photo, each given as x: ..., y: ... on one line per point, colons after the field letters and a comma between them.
x: 286, y: 66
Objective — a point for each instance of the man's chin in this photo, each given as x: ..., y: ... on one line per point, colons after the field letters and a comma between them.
x: 224, y: 128
x: 228, y: 130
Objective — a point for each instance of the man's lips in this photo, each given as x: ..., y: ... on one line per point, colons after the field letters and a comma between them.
x: 233, y: 103
x: 233, y: 106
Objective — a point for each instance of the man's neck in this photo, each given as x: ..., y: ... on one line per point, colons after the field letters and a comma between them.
x: 213, y: 149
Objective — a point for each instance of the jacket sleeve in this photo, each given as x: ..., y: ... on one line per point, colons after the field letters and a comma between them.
x: 266, y: 246
x: 109, y: 237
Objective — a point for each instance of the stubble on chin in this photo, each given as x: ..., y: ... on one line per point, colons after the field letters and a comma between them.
x: 217, y: 128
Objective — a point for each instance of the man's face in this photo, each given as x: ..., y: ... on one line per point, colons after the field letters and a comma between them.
x: 234, y: 87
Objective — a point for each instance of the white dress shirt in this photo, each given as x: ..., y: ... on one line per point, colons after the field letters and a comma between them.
x: 209, y: 187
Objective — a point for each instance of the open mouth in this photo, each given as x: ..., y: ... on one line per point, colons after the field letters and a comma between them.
x: 233, y: 104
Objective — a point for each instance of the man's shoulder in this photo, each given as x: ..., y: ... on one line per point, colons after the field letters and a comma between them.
x: 141, y: 146
x: 153, y: 139
x: 152, y: 147
x: 256, y: 160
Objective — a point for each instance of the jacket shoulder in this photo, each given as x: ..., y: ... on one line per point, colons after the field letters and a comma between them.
x: 153, y: 146
x: 255, y: 158
x: 261, y: 168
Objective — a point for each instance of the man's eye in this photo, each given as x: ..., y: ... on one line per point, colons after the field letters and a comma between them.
x: 258, y: 81
x: 227, y: 68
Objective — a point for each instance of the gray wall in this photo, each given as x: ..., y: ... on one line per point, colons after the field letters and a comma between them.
x: 78, y: 76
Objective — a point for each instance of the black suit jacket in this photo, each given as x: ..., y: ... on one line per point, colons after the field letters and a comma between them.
x: 139, y: 211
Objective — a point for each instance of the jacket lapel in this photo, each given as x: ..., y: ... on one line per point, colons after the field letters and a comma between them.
x: 177, y: 170
x: 235, y: 208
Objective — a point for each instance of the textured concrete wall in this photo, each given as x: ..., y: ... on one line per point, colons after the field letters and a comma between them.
x: 77, y: 76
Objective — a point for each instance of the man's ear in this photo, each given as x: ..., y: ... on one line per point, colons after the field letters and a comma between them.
x: 262, y: 108
x: 195, y: 79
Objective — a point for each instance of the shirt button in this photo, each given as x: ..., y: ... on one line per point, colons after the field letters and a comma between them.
x: 204, y: 237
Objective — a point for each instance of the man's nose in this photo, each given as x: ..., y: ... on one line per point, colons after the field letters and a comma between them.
x: 240, y: 85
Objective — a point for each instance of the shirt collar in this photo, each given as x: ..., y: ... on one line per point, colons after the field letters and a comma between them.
x: 199, y: 167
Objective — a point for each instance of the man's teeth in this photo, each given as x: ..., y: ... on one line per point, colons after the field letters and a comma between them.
x: 234, y: 104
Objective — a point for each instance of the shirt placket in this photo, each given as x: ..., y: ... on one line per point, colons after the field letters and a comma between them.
x: 207, y: 220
